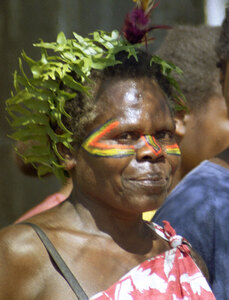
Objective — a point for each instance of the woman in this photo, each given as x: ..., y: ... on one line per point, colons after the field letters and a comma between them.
x: 122, y: 157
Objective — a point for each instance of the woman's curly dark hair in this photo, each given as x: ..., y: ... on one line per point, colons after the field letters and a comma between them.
x: 82, y: 107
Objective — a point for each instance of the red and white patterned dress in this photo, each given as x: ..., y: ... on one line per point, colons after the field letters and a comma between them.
x: 172, y: 275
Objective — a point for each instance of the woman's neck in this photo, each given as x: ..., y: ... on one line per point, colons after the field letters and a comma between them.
x: 66, y: 188
x: 222, y: 159
x: 129, y: 231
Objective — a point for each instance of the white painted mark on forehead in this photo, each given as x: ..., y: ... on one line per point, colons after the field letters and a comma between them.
x: 132, y: 95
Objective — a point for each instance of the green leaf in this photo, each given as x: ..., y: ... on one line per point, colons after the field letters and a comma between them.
x: 61, y: 39
x: 29, y: 60
x: 69, y: 81
x: 39, y: 119
x: 39, y: 102
x: 43, y: 170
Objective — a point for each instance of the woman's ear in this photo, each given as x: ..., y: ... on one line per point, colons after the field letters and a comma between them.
x: 181, y: 119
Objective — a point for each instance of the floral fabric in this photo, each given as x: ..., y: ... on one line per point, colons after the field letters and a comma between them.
x: 172, y: 275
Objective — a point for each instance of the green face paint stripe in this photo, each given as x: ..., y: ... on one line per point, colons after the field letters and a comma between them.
x: 152, y: 141
x: 96, y: 134
x: 173, y: 150
x: 110, y: 152
x: 94, y: 147
x: 152, y: 144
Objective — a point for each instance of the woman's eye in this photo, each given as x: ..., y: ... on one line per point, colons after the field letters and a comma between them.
x: 164, y: 135
x: 126, y: 137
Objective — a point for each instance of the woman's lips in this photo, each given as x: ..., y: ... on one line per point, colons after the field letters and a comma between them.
x: 153, y: 183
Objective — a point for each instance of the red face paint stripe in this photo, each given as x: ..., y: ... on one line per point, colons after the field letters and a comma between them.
x: 94, y: 147
x: 94, y: 142
x: 103, y: 131
x: 158, y: 149
x: 173, y: 150
x: 175, y: 146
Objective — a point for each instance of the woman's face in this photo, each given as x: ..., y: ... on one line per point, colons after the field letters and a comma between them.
x: 129, y: 157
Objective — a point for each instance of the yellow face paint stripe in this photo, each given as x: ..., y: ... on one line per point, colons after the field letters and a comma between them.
x: 152, y: 144
x: 93, y: 145
x: 173, y: 150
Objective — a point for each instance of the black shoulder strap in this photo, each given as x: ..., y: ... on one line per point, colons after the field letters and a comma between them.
x: 64, y: 269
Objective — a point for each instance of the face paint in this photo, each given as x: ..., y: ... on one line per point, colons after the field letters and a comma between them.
x: 173, y: 150
x: 152, y: 144
x: 94, y: 146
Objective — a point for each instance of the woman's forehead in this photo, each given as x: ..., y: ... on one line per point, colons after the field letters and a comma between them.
x: 131, y: 92
x: 132, y: 101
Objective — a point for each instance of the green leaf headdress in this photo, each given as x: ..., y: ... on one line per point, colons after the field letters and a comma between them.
x: 39, y: 101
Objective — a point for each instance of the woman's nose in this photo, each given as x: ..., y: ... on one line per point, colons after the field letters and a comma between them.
x: 149, y: 149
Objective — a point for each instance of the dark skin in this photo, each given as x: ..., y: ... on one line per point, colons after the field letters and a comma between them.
x: 99, y: 232
x: 200, y: 137
x: 222, y: 158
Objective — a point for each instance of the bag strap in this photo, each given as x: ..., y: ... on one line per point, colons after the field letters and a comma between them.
x: 64, y: 269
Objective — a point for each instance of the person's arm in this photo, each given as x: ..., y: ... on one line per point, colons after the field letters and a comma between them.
x: 191, y: 212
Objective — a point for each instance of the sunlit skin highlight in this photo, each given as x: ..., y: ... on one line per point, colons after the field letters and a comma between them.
x: 95, y: 147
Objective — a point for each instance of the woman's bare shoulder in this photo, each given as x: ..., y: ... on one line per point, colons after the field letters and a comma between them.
x: 21, y: 260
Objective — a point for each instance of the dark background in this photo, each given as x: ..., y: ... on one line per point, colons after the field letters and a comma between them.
x: 23, y: 22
